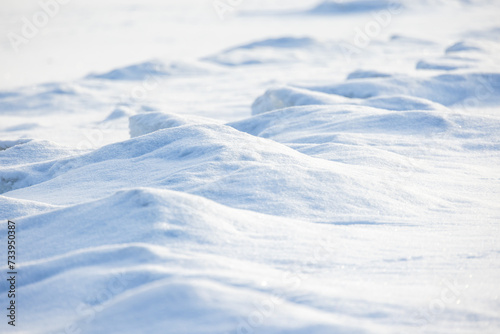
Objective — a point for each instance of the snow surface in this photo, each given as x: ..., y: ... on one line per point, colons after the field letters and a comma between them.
x: 279, y: 167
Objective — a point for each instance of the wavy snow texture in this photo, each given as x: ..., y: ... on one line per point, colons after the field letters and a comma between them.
x: 156, y: 68
x: 164, y: 254
x: 283, y: 97
x: 446, y: 89
x: 215, y: 161
x: 353, y: 6
x: 279, y: 51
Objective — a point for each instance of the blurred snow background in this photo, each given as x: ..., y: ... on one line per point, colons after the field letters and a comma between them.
x: 250, y: 166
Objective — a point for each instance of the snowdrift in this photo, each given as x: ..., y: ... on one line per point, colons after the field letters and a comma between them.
x: 353, y: 6
x: 133, y: 263
x: 446, y: 89
x: 145, y: 123
x: 215, y: 161
x: 155, y: 68
x: 277, y: 51
x: 278, y: 98
x: 271, y: 184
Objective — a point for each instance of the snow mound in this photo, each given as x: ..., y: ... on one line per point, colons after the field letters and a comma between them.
x: 48, y: 98
x: 72, y: 89
x: 22, y: 127
x: 402, y: 102
x: 447, y: 4
x: 363, y: 74
x: 483, y: 34
x: 278, y: 98
x: 409, y: 40
x: 466, y: 54
x: 353, y: 6
x: 133, y: 219
x: 135, y: 215
x: 155, y: 68
x: 342, y: 118
x: 208, y: 307
x: 442, y: 64
x: 214, y: 161
x: 142, y: 124
x: 119, y: 112
x: 270, y: 51
x: 283, y: 97
x: 14, y: 208
x: 27, y: 151
x: 352, y: 135
x: 338, y: 133
x: 446, y: 89
x: 5, y: 144
x: 282, y: 42
x: 162, y: 254
x: 465, y: 46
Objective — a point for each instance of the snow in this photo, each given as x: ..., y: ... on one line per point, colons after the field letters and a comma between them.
x: 276, y: 50
x: 351, y: 7
x: 281, y: 167
x: 277, y: 98
x: 446, y: 89
x: 154, y: 68
x: 145, y: 123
